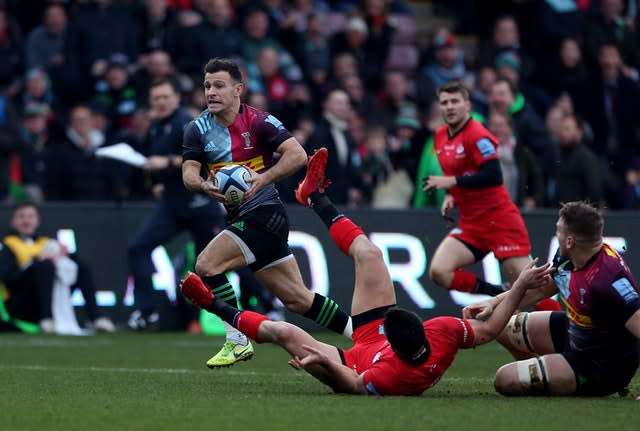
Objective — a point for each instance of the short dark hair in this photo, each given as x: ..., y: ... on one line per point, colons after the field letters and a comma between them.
x: 582, y: 220
x: 23, y: 204
x: 454, y: 87
x: 224, y: 64
x: 172, y: 82
x: 512, y: 87
x: 406, y: 335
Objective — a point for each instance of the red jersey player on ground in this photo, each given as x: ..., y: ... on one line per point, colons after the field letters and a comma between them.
x: 489, y: 220
x: 394, y: 352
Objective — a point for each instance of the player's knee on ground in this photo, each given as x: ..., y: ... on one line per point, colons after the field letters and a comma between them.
x: 528, y: 377
x: 515, y: 336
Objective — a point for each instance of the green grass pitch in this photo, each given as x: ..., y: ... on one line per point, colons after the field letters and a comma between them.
x: 159, y: 382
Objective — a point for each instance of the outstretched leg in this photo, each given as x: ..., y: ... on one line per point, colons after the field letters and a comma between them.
x: 373, y: 287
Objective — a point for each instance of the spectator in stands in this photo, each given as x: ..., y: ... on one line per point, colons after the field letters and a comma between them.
x: 32, y: 264
x: 9, y: 143
x: 362, y: 102
x: 116, y: 93
x: 578, y: 173
x: 256, y: 28
x: 508, y: 66
x: 344, y: 161
x: 376, y: 16
x: 37, y: 88
x: 609, y: 26
x: 196, y: 47
x: 74, y: 172
x: 442, y: 62
x: 157, y: 26
x: 428, y: 163
x: 479, y: 93
x: 35, y: 138
x: 528, y: 126
x: 613, y: 112
x: 567, y: 72
x: 521, y: 173
x: 12, y: 54
x: 155, y: 65
x: 505, y: 38
x: 354, y: 39
x: 98, y: 30
x: 394, y: 97
x: 266, y: 76
x: 310, y: 47
x: 45, y: 43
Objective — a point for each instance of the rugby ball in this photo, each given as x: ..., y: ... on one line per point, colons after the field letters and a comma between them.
x: 231, y: 180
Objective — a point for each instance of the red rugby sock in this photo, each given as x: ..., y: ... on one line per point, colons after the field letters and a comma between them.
x: 464, y: 281
x: 343, y: 232
x: 248, y: 322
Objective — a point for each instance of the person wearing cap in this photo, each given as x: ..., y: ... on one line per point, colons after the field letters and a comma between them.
x: 444, y: 62
x: 116, y: 92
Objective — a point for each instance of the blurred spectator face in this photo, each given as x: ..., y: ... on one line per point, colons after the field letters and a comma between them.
x: 501, y: 98
x: 55, y: 19
x: 258, y: 101
x: 35, y: 124
x: 485, y: 78
x: 337, y: 104
x: 218, y: 11
x: 374, y: 7
x: 353, y: 86
x: 156, y: 8
x: 268, y: 62
x: 570, y: 54
x: 140, y: 122
x: 81, y: 120
x: 499, y: 125
x: 505, y: 33
x: 36, y: 83
x: 315, y: 24
x: 356, y: 32
x: 612, y: 8
x: 565, y: 104
x: 298, y: 93
x: 553, y: 121
x: 610, y: 62
x: 25, y: 220
x: 344, y: 65
x: 447, y: 56
x: 158, y: 64
x: 164, y: 100
x: 454, y: 109
x: 116, y: 77
x: 376, y: 141
x: 396, y: 85
x: 256, y: 25
x: 570, y: 133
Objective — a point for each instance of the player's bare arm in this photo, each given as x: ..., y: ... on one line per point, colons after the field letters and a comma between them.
x: 193, y: 181
x: 333, y: 374
x: 633, y: 324
x: 531, y: 277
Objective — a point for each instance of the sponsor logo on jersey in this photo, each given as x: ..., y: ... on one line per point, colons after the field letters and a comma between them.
x: 247, y: 140
x: 210, y: 147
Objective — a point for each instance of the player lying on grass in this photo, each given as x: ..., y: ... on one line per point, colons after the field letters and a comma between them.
x: 394, y: 352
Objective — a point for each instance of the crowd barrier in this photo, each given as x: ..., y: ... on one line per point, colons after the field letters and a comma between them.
x: 407, y: 238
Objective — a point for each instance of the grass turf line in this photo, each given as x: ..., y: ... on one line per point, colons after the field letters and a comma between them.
x: 160, y: 382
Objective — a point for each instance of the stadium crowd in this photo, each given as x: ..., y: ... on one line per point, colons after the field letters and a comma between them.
x: 557, y: 81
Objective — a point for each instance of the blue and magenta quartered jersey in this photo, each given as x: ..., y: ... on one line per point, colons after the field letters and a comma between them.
x: 599, y: 299
x: 250, y: 140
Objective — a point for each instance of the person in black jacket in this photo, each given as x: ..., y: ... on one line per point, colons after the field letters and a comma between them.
x: 177, y: 209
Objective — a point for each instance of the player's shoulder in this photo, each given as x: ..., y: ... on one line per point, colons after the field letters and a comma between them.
x: 200, y: 124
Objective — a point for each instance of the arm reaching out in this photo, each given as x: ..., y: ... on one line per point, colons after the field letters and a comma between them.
x: 338, y: 377
x: 531, y: 277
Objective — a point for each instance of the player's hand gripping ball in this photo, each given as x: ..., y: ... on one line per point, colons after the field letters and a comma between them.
x: 231, y: 180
